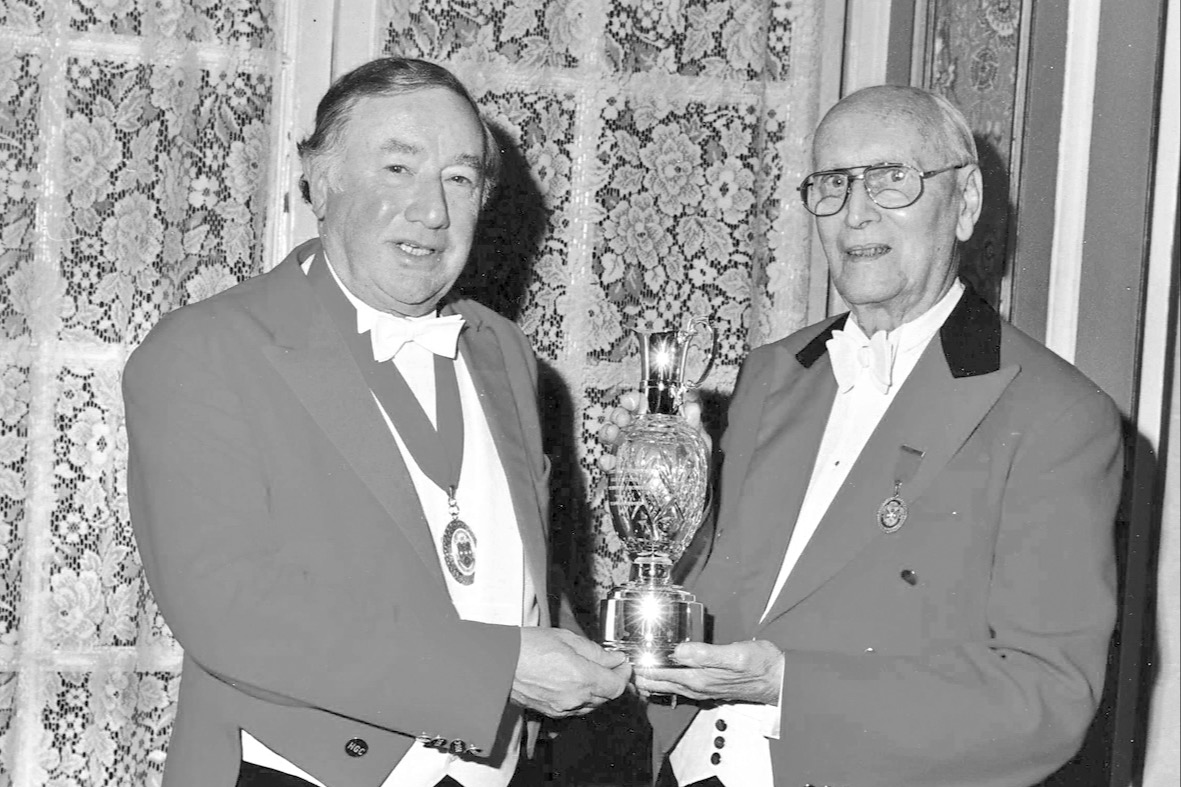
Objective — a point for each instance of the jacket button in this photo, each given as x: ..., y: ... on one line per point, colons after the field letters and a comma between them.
x: 719, y: 742
x: 356, y: 747
x: 721, y: 725
x: 715, y: 758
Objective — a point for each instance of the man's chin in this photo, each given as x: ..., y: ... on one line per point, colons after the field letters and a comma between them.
x: 858, y: 291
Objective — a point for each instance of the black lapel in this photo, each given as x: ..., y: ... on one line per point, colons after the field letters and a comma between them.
x: 971, y: 337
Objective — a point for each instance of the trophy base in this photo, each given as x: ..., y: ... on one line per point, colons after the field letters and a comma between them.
x: 647, y: 623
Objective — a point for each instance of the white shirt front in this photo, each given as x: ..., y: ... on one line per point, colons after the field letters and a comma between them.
x: 502, y: 592
x: 745, y: 729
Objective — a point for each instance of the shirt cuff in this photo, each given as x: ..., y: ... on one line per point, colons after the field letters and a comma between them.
x: 766, y: 717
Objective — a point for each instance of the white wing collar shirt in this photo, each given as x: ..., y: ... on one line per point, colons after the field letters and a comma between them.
x: 869, y: 372
x: 502, y: 591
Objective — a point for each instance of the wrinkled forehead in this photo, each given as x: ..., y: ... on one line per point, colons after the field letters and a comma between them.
x: 870, y: 134
x: 406, y: 119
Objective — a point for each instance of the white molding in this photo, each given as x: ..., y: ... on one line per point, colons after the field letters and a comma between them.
x: 1074, y: 153
x: 127, y: 48
x: 832, y: 62
x: 34, y: 653
x: 867, y: 44
x: 356, y: 36
x: 1154, y: 346
x: 1156, y: 409
x: 303, y: 77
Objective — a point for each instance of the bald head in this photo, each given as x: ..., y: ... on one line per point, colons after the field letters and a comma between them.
x: 933, y: 117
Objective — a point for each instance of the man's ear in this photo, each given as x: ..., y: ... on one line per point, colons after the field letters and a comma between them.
x: 319, y: 179
x: 972, y: 194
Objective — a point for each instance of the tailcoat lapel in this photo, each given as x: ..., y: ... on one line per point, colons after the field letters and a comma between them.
x: 955, y: 383
x: 313, y: 359
x: 788, y: 438
x: 481, y: 352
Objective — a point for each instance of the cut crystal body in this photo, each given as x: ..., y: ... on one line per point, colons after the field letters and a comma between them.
x: 659, y: 488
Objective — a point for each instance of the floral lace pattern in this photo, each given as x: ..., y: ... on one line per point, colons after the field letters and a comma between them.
x: 96, y: 719
x: 682, y: 225
x: 134, y: 141
x: 745, y: 39
x: 152, y: 229
x: 22, y: 14
x: 489, y: 32
x: 20, y: 147
x: 14, y: 455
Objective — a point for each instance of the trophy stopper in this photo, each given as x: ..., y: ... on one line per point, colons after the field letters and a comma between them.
x: 658, y: 494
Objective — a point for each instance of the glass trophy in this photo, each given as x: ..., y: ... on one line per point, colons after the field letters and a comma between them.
x: 658, y: 492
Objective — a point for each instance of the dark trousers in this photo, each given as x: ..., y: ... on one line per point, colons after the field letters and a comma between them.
x: 666, y: 779
x: 529, y: 774
x: 251, y: 775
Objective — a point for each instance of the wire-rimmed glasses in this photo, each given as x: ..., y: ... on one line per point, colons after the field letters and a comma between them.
x: 889, y: 185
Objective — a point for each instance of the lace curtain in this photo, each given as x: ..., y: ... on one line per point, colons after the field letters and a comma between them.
x: 653, y: 148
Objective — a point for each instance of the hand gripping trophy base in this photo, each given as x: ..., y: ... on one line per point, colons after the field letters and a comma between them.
x: 648, y: 617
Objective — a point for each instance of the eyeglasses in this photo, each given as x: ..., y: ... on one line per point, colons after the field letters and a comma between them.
x: 890, y: 186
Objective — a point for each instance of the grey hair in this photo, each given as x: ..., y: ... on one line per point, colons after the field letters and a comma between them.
x: 386, y: 76
x: 957, y: 138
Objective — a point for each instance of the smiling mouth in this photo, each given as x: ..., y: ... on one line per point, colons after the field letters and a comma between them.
x: 868, y: 252
x: 415, y: 250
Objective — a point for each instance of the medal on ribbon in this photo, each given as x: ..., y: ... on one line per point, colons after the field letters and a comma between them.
x: 459, y: 552
x: 459, y: 546
x: 438, y: 450
x: 893, y: 511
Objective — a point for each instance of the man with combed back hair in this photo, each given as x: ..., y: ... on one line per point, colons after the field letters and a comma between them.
x: 911, y: 578
x: 337, y: 481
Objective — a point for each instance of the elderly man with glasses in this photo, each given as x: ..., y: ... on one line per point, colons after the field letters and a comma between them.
x: 911, y: 578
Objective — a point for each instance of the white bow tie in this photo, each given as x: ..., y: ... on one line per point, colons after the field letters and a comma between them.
x: 439, y: 335
x: 855, y: 359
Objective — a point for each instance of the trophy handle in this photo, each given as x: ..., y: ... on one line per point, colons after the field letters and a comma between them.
x: 694, y: 329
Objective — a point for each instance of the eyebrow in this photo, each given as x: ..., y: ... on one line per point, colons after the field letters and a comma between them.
x: 475, y: 162
x: 398, y: 146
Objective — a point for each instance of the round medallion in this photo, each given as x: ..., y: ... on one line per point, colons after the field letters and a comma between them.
x: 459, y: 552
x: 892, y: 514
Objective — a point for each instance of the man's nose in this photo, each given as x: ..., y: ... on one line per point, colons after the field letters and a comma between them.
x: 428, y: 205
x: 859, y: 208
